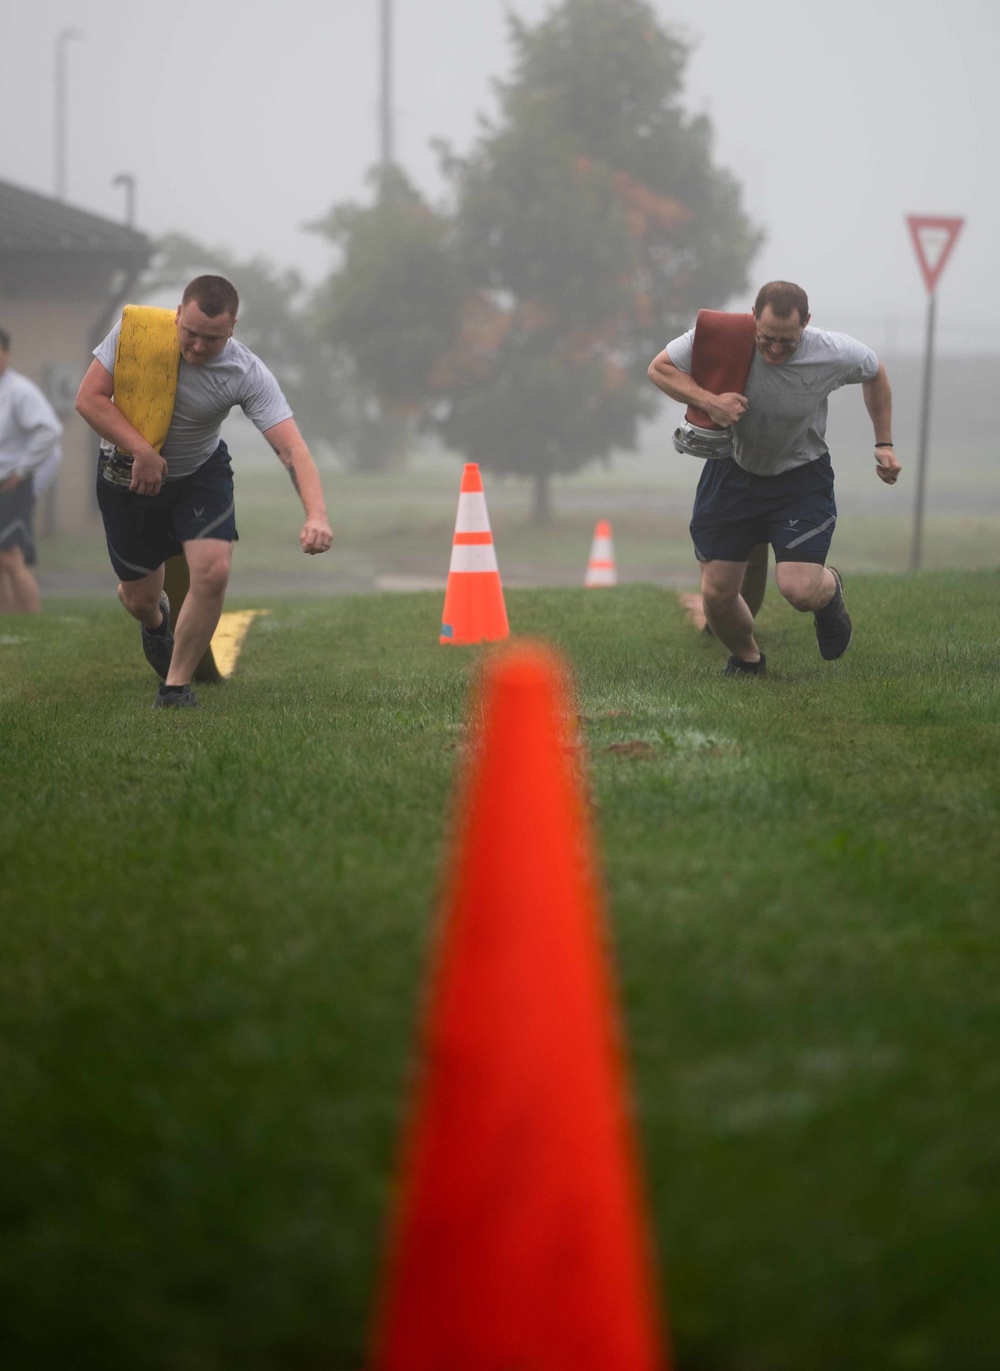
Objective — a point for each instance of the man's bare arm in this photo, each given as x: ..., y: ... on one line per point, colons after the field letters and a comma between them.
x: 294, y: 455
x: 725, y: 410
x: 878, y: 401
x: 95, y: 405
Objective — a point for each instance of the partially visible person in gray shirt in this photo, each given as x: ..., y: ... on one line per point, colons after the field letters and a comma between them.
x: 29, y: 454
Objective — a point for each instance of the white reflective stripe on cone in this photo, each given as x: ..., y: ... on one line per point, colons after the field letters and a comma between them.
x: 600, y: 576
x: 601, y: 551
x: 473, y: 557
x: 472, y: 516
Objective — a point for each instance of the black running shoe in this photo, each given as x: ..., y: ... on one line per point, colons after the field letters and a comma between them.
x: 736, y: 666
x: 170, y: 697
x: 158, y: 648
x: 833, y: 624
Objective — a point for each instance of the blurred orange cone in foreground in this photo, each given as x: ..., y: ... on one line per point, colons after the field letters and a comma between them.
x: 519, y: 1237
x: 474, y: 611
x: 601, y: 567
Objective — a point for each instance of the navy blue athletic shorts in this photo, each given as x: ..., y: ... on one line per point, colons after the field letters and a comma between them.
x: 144, y: 530
x: 16, y: 509
x: 734, y: 510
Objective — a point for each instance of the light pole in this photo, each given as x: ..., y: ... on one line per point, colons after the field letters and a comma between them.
x: 65, y: 36
x: 385, y: 102
x: 126, y: 179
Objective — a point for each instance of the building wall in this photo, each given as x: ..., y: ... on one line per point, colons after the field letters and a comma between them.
x: 54, y: 325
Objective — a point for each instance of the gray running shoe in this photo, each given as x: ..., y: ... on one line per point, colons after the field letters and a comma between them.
x: 833, y: 624
x: 158, y: 648
x: 736, y: 666
x: 169, y: 698
x: 703, y: 442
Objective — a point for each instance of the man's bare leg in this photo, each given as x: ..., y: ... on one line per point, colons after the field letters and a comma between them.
x: 19, y: 593
x: 806, y: 585
x: 142, y: 598
x: 693, y: 605
x: 754, y: 586
x: 809, y: 587
x: 209, y: 561
x: 755, y: 578
x: 727, y: 612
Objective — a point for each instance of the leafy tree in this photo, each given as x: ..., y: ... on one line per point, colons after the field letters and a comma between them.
x: 587, y: 224
x: 592, y: 223
x: 391, y: 305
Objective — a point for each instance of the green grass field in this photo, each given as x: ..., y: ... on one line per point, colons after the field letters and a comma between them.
x: 215, y: 928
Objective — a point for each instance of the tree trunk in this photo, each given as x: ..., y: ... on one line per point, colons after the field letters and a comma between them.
x: 541, y: 512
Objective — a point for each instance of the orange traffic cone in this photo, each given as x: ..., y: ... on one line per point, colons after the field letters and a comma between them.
x: 474, y: 611
x: 601, y: 567
x: 519, y: 1238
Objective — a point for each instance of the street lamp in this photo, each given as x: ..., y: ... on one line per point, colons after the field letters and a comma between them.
x: 126, y: 179
x: 385, y: 94
x: 66, y: 36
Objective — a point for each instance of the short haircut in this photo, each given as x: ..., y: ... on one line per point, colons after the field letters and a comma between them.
x: 783, y: 297
x: 4, y: 340
x: 213, y: 295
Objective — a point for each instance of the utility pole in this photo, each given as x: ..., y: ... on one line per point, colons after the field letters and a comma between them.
x: 65, y: 36
x: 385, y: 99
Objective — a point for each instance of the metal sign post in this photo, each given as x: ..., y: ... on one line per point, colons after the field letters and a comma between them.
x: 933, y: 238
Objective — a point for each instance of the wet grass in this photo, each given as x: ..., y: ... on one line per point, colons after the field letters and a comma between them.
x: 215, y: 929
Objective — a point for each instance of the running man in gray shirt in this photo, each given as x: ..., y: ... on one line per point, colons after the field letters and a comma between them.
x: 776, y: 483
x: 158, y: 504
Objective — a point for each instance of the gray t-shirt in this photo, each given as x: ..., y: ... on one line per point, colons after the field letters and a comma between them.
x: 785, y: 423
x: 29, y: 429
x: 205, y: 395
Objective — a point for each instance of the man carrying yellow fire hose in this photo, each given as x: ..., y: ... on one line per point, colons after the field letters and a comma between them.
x: 157, y: 393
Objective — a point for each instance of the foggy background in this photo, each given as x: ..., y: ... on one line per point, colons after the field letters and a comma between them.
x: 241, y: 122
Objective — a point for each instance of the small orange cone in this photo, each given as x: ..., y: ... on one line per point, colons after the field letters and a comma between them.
x: 601, y: 567
x: 519, y: 1238
x: 474, y: 611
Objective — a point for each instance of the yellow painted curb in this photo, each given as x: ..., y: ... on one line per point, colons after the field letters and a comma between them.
x: 228, y: 637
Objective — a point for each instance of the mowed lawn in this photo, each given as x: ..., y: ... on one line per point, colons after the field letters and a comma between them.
x: 213, y: 948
